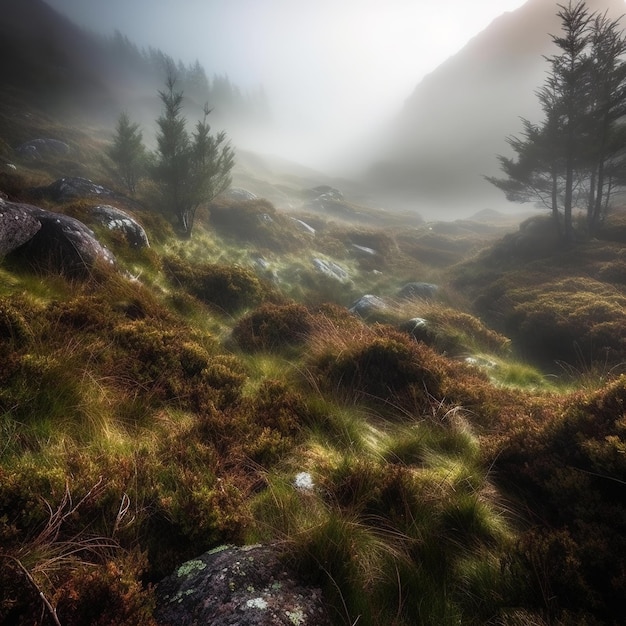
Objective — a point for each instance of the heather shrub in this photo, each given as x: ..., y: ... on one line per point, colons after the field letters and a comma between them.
x: 273, y: 327
x: 227, y: 288
x: 384, y: 367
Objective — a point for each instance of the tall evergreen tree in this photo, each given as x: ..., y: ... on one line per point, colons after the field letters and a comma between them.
x: 577, y: 155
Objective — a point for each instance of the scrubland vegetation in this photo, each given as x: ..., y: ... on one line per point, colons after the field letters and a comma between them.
x: 443, y: 461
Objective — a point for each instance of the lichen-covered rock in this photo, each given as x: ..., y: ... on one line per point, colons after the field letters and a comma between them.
x: 230, y: 586
x: 17, y: 226
x: 61, y: 244
x: 116, y: 219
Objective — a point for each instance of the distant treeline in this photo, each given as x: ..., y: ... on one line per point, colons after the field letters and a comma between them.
x: 137, y: 67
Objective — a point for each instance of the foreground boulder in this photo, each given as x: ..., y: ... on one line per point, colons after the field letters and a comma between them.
x: 57, y: 243
x: 246, y: 586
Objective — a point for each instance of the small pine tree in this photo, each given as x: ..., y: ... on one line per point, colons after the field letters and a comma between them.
x: 192, y: 170
x: 128, y: 153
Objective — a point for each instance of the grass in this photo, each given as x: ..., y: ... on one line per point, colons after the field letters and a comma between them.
x: 146, y: 420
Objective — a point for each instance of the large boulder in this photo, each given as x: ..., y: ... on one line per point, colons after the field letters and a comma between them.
x: 17, y: 226
x: 116, y: 219
x: 61, y: 243
x: 247, y: 586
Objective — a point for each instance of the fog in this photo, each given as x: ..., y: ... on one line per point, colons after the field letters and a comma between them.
x: 334, y: 72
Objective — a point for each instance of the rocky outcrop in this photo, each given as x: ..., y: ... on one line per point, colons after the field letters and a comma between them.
x: 72, y: 187
x: 116, y: 219
x: 39, y: 149
x: 50, y: 241
x: 247, y: 586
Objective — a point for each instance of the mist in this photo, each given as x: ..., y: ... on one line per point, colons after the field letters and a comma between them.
x: 334, y: 74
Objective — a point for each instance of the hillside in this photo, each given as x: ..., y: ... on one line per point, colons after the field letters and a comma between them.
x: 310, y: 412
x: 447, y: 135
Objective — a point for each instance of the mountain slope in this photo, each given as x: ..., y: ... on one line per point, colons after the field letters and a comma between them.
x: 455, y: 122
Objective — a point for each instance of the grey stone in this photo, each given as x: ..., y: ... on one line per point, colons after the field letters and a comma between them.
x: 247, y: 586
x: 424, y: 291
x: 364, y: 250
x: 61, y: 244
x: 38, y: 149
x: 238, y: 193
x: 331, y: 269
x: 367, y: 304
x: 71, y: 187
x: 116, y: 219
x: 304, y: 227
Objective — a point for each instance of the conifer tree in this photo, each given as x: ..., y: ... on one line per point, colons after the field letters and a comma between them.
x: 577, y: 156
x: 190, y: 170
x: 127, y: 152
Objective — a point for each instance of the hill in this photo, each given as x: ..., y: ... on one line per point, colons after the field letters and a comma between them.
x: 453, y: 125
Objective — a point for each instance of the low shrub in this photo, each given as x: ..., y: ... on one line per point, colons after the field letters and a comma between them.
x: 384, y: 367
x: 273, y: 327
x: 227, y: 288
x: 258, y: 222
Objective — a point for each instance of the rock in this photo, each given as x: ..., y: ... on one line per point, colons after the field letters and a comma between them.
x: 367, y: 304
x: 17, y: 226
x: 304, y: 227
x: 237, y: 193
x: 418, y: 328
x: 246, y: 586
x: 424, y: 291
x: 331, y: 269
x: 364, y: 250
x: 116, y: 219
x: 70, y: 188
x: 61, y: 243
x: 324, y: 192
x: 38, y: 149
x: 482, y: 362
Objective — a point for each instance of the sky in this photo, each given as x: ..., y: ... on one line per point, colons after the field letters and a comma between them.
x: 333, y: 70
